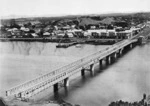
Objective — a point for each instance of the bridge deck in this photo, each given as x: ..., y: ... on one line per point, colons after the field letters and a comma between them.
x: 38, y: 84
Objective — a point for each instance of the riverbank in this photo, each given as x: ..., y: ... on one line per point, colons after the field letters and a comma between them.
x: 16, y: 102
x: 88, y: 49
x: 144, y: 102
x: 65, y: 40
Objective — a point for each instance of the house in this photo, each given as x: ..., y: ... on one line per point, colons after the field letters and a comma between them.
x: 76, y: 32
x: 34, y: 22
x: 67, y: 27
x: 34, y: 35
x: 60, y: 35
x: 46, y: 34
x: 87, y: 34
x: 93, y: 31
x: 95, y: 34
x: 118, y: 29
x: 48, y: 28
x: 24, y: 29
x: 9, y: 30
x: 111, y: 33
x: 15, y: 29
x: 73, y: 26
x: 93, y: 27
x: 124, y: 34
x: 17, y: 33
x: 102, y: 27
x: 37, y: 30
x: 70, y: 34
x: 58, y: 31
x: 79, y: 33
x: 56, y: 28
x: 104, y: 34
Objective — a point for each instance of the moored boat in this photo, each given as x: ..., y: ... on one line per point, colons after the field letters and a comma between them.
x: 78, y: 45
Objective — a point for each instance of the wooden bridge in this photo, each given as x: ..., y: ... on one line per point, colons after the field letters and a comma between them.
x: 52, y: 78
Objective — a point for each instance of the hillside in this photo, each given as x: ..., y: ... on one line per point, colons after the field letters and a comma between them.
x: 84, y: 19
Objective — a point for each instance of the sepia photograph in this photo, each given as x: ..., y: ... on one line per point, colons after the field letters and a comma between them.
x: 74, y: 52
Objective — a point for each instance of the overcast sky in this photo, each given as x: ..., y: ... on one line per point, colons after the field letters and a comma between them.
x: 70, y: 7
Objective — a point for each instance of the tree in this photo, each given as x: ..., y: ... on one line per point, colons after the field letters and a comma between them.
x: 13, y: 24
x: 66, y: 36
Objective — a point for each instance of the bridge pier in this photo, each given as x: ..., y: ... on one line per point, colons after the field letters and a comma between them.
x: 131, y: 46
x: 92, y: 67
x: 120, y: 52
x: 82, y: 72
x: 100, y: 64
x: 55, y: 87
x: 66, y: 82
x: 37, y: 85
x: 7, y: 93
x: 108, y: 59
x: 114, y: 57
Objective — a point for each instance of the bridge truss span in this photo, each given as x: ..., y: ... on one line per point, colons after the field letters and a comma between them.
x: 52, y: 78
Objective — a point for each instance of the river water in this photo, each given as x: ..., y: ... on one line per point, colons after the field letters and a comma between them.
x: 23, y: 61
x: 127, y: 79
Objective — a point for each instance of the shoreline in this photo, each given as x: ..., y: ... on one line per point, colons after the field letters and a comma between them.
x: 65, y: 40
x: 16, y: 102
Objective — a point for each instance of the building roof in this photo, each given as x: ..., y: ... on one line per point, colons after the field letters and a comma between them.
x: 46, y: 33
x: 60, y: 34
x: 24, y: 29
x: 126, y: 31
x: 70, y: 34
x: 34, y: 34
x: 99, y: 31
x: 74, y: 30
x: 91, y: 31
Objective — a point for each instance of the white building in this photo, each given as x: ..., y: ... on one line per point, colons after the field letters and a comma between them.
x: 124, y: 34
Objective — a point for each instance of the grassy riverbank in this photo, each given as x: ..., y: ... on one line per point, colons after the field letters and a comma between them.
x: 16, y: 102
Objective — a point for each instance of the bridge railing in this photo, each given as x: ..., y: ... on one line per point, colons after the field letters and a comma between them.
x: 46, y: 76
x: 49, y: 75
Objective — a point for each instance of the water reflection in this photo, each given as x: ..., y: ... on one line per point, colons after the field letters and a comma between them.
x: 125, y: 80
x: 22, y: 61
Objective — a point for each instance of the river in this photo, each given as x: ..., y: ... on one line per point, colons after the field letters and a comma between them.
x: 127, y: 79
x: 22, y: 61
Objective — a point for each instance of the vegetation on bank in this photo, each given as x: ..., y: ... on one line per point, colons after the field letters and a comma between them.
x: 144, y: 102
x: 23, y: 103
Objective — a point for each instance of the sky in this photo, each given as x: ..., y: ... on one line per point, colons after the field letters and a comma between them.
x: 70, y: 7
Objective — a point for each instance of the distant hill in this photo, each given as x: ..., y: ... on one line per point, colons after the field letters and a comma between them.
x: 108, y: 20
x: 143, y: 15
x: 84, y: 19
x: 87, y: 21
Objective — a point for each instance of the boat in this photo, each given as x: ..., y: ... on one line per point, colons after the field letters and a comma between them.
x: 62, y: 45
x: 65, y: 45
x: 78, y: 45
